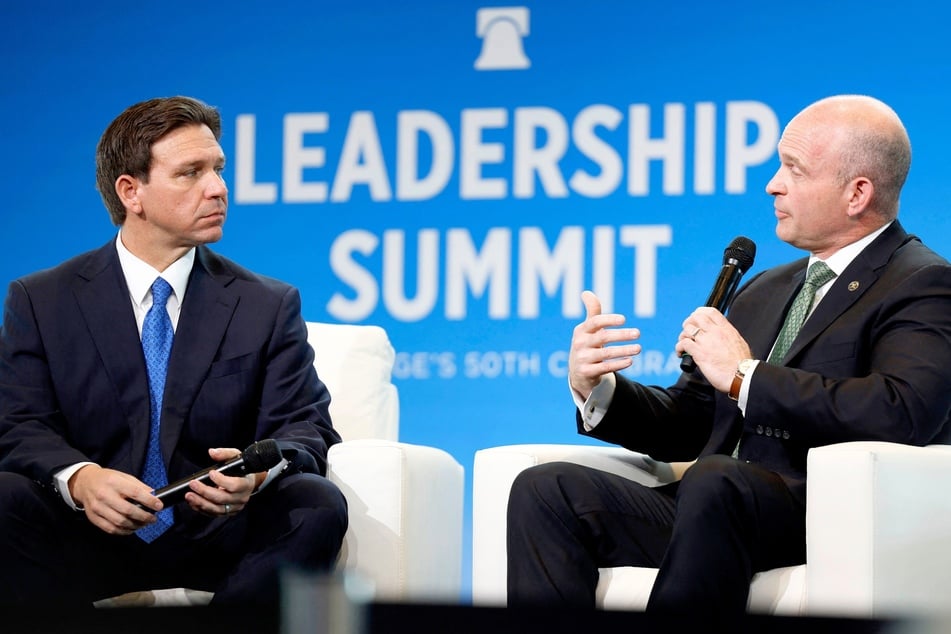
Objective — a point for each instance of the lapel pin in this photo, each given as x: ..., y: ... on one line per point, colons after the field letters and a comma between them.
x: 853, y: 285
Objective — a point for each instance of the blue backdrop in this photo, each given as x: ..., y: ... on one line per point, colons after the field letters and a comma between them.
x: 458, y: 172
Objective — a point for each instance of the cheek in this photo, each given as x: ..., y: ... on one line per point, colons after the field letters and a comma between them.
x: 810, y: 203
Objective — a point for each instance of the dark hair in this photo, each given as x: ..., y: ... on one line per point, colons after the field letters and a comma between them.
x: 126, y: 145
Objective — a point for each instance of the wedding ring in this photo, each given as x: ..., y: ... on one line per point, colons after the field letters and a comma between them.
x: 696, y: 332
x: 227, y: 509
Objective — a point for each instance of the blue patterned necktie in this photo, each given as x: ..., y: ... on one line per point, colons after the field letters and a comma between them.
x: 817, y: 275
x: 157, y: 337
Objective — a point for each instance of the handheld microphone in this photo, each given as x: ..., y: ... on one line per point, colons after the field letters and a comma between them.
x: 737, y: 260
x: 259, y: 456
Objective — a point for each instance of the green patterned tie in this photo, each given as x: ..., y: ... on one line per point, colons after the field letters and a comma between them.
x: 817, y: 275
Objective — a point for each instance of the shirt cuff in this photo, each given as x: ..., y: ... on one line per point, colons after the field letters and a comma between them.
x: 61, y: 482
x: 596, y: 406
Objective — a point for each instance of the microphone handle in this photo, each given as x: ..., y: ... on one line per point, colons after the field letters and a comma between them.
x: 725, y: 286
x: 720, y: 298
x: 687, y: 364
x: 175, y: 492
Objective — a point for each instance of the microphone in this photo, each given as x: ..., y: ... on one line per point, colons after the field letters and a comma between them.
x: 737, y: 260
x: 259, y: 456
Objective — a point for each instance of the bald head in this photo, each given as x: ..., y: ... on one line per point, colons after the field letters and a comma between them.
x: 869, y: 140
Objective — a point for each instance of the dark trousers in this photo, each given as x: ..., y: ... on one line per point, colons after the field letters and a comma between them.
x: 707, y: 535
x: 50, y: 554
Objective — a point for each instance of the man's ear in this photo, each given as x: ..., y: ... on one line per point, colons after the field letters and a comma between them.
x: 127, y: 188
x: 860, y: 194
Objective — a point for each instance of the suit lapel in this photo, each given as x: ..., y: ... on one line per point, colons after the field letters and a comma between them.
x: 769, y: 320
x: 206, y: 312
x: 103, y: 298
x: 855, y: 280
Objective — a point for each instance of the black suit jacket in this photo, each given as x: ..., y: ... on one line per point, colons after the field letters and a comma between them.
x: 74, y: 387
x: 873, y: 362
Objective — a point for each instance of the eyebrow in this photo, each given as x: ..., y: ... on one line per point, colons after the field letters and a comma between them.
x: 218, y: 161
x: 786, y: 157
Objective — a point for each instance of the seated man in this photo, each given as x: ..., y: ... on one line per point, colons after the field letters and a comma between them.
x: 146, y: 360
x: 872, y: 361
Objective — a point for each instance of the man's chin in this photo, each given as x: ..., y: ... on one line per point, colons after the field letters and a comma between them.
x: 783, y: 231
x: 210, y: 236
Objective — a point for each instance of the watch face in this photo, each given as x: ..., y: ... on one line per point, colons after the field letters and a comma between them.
x: 745, y: 365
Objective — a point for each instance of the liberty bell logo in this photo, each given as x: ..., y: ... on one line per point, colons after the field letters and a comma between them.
x: 502, y: 30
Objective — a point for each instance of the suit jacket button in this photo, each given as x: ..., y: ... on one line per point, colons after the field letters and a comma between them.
x: 759, y: 430
x: 769, y: 431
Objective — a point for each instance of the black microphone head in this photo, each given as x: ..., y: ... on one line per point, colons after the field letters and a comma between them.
x: 742, y: 250
x: 261, y: 456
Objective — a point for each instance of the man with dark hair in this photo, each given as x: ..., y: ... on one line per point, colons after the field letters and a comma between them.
x: 143, y: 362
x: 861, y: 353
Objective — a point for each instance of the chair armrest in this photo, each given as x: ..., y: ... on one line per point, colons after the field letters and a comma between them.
x: 405, y: 506
x: 495, y: 469
x: 878, y: 530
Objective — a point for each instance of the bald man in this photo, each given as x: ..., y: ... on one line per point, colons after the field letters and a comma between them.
x: 870, y: 362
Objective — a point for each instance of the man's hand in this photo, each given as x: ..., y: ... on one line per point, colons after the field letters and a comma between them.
x: 231, y: 493
x: 108, y: 497
x: 715, y: 346
x: 590, y: 357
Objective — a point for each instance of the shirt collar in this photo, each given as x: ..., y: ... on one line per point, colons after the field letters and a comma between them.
x: 841, y: 259
x: 139, y: 275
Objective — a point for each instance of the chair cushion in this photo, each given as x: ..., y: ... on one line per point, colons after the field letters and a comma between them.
x: 355, y: 362
x: 776, y: 591
x: 166, y: 597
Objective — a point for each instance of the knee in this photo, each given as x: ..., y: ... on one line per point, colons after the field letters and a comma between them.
x: 712, y: 480
x: 312, y: 503
x: 712, y: 467
x: 320, y: 496
x: 543, y: 482
x: 560, y: 489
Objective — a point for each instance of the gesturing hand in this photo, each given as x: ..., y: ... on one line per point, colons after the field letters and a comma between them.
x: 591, y: 355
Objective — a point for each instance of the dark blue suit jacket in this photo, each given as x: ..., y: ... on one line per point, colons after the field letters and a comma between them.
x: 873, y: 362
x: 73, y: 383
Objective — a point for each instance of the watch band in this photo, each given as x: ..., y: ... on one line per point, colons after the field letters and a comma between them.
x: 734, y: 393
x: 743, y: 368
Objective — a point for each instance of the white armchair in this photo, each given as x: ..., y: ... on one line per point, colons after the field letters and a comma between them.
x: 405, y: 501
x: 878, y: 530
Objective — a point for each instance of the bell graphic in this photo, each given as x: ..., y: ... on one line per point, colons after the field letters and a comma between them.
x: 502, y: 30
